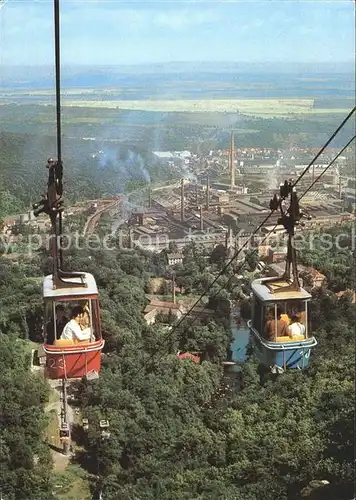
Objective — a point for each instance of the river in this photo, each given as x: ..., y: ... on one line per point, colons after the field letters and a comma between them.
x: 240, y: 337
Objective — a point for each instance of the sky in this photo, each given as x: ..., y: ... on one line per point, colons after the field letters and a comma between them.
x: 117, y: 32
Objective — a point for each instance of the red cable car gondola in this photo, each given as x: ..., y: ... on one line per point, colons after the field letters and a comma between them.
x: 69, y: 352
x: 72, y: 349
x: 72, y: 358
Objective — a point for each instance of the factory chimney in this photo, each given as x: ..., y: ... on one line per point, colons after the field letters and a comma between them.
x: 130, y: 238
x: 228, y: 238
x: 182, y: 200
x: 149, y: 197
x: 207, y: 193
x: 201, y: 218
x: 232, y: 161
x: 173, y: 289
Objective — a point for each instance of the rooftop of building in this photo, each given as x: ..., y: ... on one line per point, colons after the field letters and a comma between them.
x: 188, y: 355
x: 175, y: 255
x: 163, y: 306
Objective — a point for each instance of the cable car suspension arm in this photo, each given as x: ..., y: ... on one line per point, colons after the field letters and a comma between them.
x: 52, y: 202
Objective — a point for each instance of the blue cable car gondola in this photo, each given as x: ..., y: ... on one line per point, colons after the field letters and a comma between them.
x: 280, y: 325
x: 282, y: 352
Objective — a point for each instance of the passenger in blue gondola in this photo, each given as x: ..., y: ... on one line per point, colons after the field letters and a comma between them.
x: 73, y: 331
x: 296, y: 307
x: 60, y: 321
x: 296, y: 328
x: 275, y: 327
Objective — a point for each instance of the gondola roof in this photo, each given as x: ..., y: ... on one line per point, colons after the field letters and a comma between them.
x: 270, y: 293
x: 75, y: 291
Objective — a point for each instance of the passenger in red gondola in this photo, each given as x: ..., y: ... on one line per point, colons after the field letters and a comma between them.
x: 275, y: 328
x: 61, y: 322
x: 61, y: 319
x: 73, y: 331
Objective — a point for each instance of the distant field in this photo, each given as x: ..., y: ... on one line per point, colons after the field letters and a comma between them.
x: 279, y: 106
x: 253, y: 107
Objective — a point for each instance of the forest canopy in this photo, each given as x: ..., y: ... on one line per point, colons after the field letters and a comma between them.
x: 89, y: 174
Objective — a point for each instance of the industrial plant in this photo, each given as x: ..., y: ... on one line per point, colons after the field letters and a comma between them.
x: 223, y: 196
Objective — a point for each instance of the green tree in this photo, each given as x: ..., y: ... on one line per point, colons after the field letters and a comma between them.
x: 218, y: 255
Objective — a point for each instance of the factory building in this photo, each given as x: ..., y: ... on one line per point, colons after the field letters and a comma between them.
x: 205, y: 211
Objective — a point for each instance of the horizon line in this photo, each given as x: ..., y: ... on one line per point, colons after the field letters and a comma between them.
x: 155, y: 63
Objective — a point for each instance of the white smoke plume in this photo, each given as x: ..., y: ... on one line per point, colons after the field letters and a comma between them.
x: 128, y: 164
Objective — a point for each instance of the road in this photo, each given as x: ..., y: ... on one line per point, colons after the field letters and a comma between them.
x: 93, y: 219
x: 60, y: 460
x: 169, y: 186
x: 57, y: 386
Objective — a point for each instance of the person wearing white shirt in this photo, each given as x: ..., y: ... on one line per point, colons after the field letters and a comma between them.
x: 72, y: 330
x: 296, y: 328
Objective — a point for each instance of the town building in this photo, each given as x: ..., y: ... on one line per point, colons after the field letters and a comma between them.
x: 174, y: 258
x: 159, y: 306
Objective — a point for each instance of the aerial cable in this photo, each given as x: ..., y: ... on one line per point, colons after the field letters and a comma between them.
x: 327, y: 167
x: 345, y: 120
x: 57, y: 44
x: 58, y: 78
x: 222, y: 272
